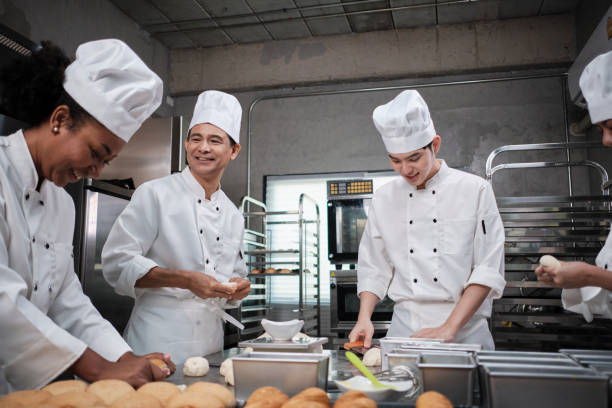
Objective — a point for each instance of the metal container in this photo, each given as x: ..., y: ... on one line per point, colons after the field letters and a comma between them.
x: 289, y: 372
x: 390, y: 344
x: 451, y: 373
x: 301, y: 345
x: 513, y: 385
x: 521, y: 354
x: 560, y: 360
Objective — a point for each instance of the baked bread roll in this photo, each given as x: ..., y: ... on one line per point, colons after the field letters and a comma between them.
x: 303, y: 403
x: 433, y: 399
x: 270, y: 270
x: 271, y: 394
x: 255, y: 271
x: 109, y: 390
x: 75, y: 399
x: 284, y: 271
x: 194, y: 399
x: 219, y: 391
x: 196, y: 367
x: 26, y: 398
x: 161, y: 390
x: 354, y: 398
x: 313, y: 394
x: 60, y: 387
x: 137, y: 400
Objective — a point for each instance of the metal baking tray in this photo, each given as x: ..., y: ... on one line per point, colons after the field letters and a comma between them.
x: 521, y: 354
x: 450, y: 373
x: 289, y: 372
x: 391, y: 344
x: 514, y: 385
x: 302, y: 345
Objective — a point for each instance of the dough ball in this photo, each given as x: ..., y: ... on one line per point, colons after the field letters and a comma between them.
x: 195, y: 367
x: 26, y: 398
x: 550, y: 261
x: 194, y: 399
x: 76, y: 399
x: 60, y: 387
x: 217, y: 390
x: 373, y: 357
x: 109, y: 390
x: 227, y: 371
x: 272, y: 394
x: 161, y: 390
x: 159, y: 362
x: 137, y: 400
x: 229, y: 284
x: 433, y: 399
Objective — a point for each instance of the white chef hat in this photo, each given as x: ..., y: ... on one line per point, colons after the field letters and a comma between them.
x: 113, y: 85
x: 596, y: 85
x: 404, y: 123
x: 220, y: 109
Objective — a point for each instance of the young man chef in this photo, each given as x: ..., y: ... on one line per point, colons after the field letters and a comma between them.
x: 179, y: 239
x: 434, y: 240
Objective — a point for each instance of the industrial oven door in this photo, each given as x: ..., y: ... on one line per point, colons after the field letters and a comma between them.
x: 347, y: 306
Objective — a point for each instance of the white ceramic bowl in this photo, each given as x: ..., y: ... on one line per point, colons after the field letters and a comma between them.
x: 282, y: 330
x: 360, y: 383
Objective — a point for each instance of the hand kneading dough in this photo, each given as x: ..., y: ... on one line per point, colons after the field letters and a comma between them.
x: 26, y: 398
x: 75, y: 399
x: 195, y: 367
x: 229, y: 284
x: 109, y: 390
x: 60, y: 387
x: 194, y: 399
x: 433, y: 399
x: 137, y: 400
x: 550, y: 261
x: 217, y: 390
x: 161, y: 390
x: 158, y: 362
x: 372, y: 357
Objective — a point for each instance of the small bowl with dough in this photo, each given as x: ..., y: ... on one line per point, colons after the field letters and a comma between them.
x: 282, y: 330
x: 360, y: 383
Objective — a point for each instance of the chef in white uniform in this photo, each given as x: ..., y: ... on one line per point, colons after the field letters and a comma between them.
x: 179, y: 239
x: 587, y: 287
x: 82, y: 115
x: 434, y: 240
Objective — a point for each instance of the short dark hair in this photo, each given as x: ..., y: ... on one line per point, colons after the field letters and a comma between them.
x: 429, y: 146
x: 232, y: 141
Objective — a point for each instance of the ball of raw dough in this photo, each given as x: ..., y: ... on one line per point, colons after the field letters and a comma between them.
x: 195, y: 367
x: 229, y: 284
x: 372, y: 357
x: 159, y: 362
x: 227, y: 371
x: 550, y: 261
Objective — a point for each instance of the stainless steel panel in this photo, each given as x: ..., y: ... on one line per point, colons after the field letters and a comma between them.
x: 452, y: 374
x: 289, y: 372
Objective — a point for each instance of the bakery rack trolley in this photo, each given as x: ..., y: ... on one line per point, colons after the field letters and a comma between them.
x: 530, y: 315
x: 298, y: 257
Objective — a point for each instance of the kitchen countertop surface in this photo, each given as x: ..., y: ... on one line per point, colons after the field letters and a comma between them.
x: 340, y: 369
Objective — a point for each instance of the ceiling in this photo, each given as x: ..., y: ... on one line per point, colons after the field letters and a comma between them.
x: 211, y: 23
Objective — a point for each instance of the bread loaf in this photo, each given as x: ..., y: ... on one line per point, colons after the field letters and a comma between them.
x: 61, y: 387
x: 109, y: 390
x: 217, y: 390
x: 161, y: 390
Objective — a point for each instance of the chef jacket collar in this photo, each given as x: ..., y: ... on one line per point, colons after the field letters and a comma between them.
x: 22, y: 159
x: 436, y: 179
x: 196, y: 188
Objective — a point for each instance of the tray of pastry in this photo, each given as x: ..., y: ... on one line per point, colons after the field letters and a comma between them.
x: 297, y: 345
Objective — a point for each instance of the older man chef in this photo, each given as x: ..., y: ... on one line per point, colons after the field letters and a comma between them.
x: 82, y: 114
x: 179, y: 239
x: 587, y: 287
x: 434, y: 240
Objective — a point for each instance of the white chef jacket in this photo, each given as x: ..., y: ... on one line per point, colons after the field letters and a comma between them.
x: 46, y: 321
x: 424, y: 247
x: 592, y: 300
x: 169, y: 223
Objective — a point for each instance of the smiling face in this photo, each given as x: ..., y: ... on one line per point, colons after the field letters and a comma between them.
x: 76, y: 150
x: 606, y: 130
x: 418, y: 166
x: 209, y: 150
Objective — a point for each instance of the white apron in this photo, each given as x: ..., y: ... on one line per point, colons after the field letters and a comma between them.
x: 410, y: 317
x: 182, y: 327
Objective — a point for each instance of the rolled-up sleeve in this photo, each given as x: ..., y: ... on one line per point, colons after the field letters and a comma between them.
x: 374, y: 270
x: 123, y: 260
x: 488, y: 260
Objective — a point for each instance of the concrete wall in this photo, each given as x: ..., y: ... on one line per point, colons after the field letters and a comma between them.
x: 69, y: 23
x: 493, y: 45
x: 334, y: 133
